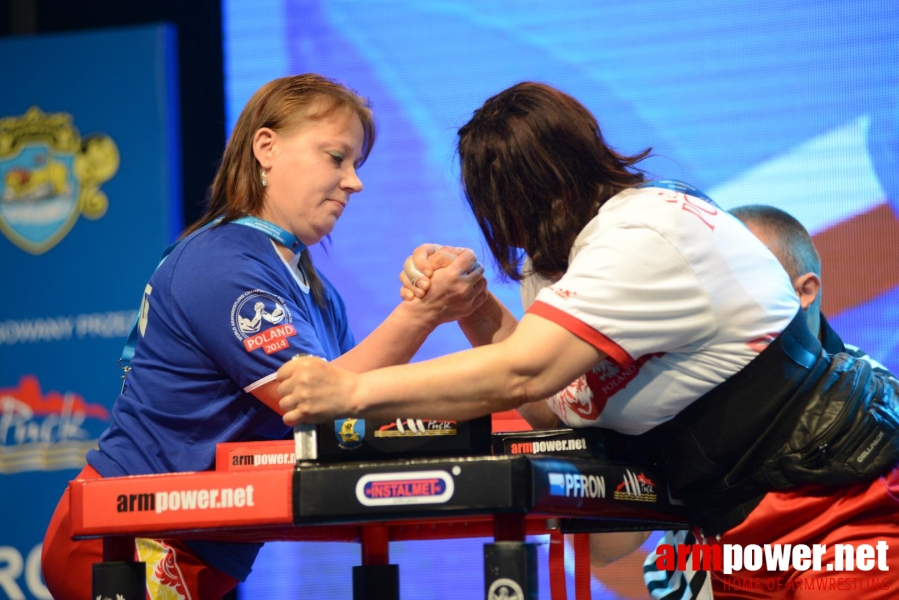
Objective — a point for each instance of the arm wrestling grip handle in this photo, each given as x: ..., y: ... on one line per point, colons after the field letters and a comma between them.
x: 305, y: 437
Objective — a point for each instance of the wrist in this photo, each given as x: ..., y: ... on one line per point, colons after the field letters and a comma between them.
x: 355, y: 397
x: 483, y: 314
x: 418, y: 315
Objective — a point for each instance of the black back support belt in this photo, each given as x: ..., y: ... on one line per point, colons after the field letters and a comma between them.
x: 712, y: 451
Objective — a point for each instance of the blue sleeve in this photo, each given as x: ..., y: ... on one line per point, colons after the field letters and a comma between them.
x: 240, y: 307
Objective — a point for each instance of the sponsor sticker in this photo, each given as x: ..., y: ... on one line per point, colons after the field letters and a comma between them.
x: 637, y: 487
x: 505, y: 589
x: 393, y: 489
x: 547, y: 446
x: 349, y: 432
x: 557, y: 484
x: 416, y: 428
x: 577, y: 485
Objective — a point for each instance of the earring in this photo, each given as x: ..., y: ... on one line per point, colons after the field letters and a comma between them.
x: 263, y: 177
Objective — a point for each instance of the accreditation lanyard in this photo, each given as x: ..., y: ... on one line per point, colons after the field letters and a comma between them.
x: 282, y: 236
x: 679, y: 186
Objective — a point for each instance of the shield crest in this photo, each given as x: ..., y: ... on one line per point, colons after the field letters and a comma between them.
x: 349, y: 432
x: 49, y: 176
x: 39, y: 201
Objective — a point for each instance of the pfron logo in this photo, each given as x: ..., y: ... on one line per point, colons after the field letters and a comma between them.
x: 416, y: 428
x: 577, y: 485
x: 41, y: 432
x: 262, y: 320
x: 636, y: 487
x: 556, y: 484
x: 49, y: 176
x: 422, y: 487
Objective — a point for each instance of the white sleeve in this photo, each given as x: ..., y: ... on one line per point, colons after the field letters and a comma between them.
x: 630, y: 293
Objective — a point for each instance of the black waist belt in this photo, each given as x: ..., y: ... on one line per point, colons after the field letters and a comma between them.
x: 761, y: 428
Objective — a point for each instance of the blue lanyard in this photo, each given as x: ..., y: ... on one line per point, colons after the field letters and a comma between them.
x: 283, y: 237
x: 679, y: 186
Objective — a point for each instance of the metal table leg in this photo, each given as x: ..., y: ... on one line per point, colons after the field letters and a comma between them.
x: 510, y: 564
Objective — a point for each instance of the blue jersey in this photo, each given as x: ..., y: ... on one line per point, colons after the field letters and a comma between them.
x: 222, y: 312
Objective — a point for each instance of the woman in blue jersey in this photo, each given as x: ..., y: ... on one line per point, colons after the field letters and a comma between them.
x: 229, y: 304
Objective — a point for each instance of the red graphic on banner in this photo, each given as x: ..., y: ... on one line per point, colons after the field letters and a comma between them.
x: 29, y: 393
x: 44, y: 431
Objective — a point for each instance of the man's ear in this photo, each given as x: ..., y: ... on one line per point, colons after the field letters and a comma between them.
x: 263, y: 146
x: 807, y: 287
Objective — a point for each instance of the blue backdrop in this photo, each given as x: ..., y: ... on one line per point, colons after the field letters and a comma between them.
x: 89, y: 195
x: 787, y: 103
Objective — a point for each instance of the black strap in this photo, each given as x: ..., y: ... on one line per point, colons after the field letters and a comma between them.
x: 714, y: 449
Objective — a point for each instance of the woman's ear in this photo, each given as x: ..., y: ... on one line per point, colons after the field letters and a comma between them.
x: 807, y: 287
x: 263, y: 146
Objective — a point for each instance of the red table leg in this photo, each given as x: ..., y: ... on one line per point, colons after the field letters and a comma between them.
x: 375, y: 579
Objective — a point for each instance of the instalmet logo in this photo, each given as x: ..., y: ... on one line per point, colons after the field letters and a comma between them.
x: 419, y: 487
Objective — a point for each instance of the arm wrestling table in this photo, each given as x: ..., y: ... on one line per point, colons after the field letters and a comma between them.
x: 260, y: 492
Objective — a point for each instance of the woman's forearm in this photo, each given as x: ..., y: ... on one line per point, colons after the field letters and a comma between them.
x: 537, y: 360
x: 395, y: 341
x: 491, y: 323
x: 459, y: 386
x: 483, y: 380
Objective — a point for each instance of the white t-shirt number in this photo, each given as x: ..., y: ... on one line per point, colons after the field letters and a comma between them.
x: 144, y: 310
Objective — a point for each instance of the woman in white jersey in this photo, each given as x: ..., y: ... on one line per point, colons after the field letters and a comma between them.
x: 660, y: 299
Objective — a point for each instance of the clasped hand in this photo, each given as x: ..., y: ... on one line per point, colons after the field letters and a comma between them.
x: 451, y: 287
x: 444, y: 272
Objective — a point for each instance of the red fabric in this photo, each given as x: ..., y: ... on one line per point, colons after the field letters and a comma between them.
x: 859, y: 514
x: 583, y: 331
x: 509, y: 420
x: 66, y: 563
x: 582, y: 574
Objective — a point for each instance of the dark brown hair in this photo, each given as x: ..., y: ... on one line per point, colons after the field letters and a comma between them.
x: 280, y: 105
x: 535, y: 170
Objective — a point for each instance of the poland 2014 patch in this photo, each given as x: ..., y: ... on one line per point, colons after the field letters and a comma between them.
x: 262, y: 320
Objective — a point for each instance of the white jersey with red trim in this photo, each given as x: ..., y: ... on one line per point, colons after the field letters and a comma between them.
x: 678, y: 294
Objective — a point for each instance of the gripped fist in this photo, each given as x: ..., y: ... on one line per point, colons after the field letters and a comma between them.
x: 424, y: 261
x: 314, y: 391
